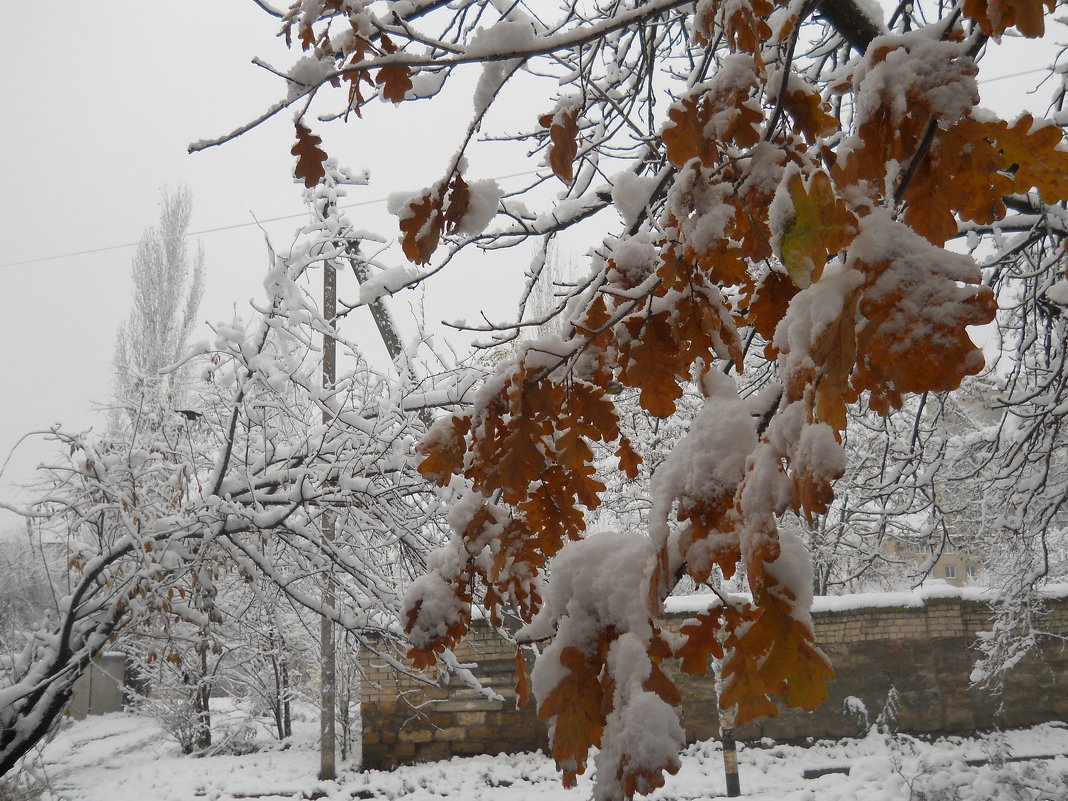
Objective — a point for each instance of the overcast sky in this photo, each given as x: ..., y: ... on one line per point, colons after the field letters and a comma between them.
x: 102, y: 101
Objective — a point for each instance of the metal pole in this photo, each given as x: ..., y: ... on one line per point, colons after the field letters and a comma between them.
x: 730, y: 756
x: 726, y: 734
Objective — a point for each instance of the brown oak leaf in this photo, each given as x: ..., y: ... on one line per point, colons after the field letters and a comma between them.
x: 310, y: 156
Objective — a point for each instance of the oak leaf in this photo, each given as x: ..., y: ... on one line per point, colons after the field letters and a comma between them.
x: 444, y: 447
x: 835, y: 353
x: 699, y: 641
x: 651, y: 361
x: 629, y: 459
x: 395, y: 82
x: 820, y: 226
x: 684, y: 135
x: 421, y: 228
x: 520, y: 460
x: 563, y: 142
x: 663, y: 687
x: 522, y: 681
x: 810, y: 112
x: 917, y: 304
x: 962, y: 174
x: 997, y: 16
x: 1035, y: 155
x: 551, y: 513
x: 769, y: 303
x: 459, y: 202
x: 744, y: 689
x: 791, y: 666
x: 310, y: 156
x: 575, y: 707
x: 594, y: 414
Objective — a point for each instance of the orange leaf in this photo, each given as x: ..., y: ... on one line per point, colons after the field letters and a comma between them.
x: 961, y: 174
x: 552, y: 512
x: 651, y: 361
x: 811, y: 113
x: 444, y: 447
x: 744, y: 689
x: 310, y: 156
x: 916, y: 306
x: 684, y: 135
x: 700, y: 642
x: 575, y: 704
x: 563, y: 142
x: 395, y: 82
x: 422, y: 228
x: 770, y: 301
x: 997, y: 16
x: 520, y: 460
x: 522, y: 681
x: 629, y: 459
x: 459, y: 201
x: 792, y: 666
x: 835, y: 353
x: 1036, y: 156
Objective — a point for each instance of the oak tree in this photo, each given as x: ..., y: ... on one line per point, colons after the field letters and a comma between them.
x: 792, y: 183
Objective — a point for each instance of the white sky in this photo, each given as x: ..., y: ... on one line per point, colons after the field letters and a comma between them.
x: 101, y: 102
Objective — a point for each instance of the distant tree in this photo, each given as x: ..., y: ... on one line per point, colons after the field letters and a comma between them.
x: 168, y: 283
x: 804, y: 177
x: 151, y: 394
x: 26, y: 594
x: 162, y: 527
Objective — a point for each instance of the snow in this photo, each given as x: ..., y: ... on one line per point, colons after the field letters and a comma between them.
x: 931, y: 590
x: 484, y: 198
x: 503, y: 37
x: 1058, y: 293
x: 125, y: 757
x: 630, y: 195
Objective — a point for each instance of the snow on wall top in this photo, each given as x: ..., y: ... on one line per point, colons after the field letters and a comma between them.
x: 932, y: 590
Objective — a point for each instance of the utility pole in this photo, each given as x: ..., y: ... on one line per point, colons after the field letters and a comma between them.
x: 328, y: 677
x: 328, y: 688
x: 334, y: 177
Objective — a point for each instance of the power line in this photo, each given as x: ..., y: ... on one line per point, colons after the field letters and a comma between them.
x: 1014, y: 75
x: 235, y: 226
x: 191, y: 233
x: 217, y: 229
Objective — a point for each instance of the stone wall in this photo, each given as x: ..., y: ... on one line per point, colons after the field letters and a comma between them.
x: 921, y: 646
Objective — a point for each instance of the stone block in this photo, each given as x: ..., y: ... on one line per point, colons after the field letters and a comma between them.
x: 415, y: 736
x: 469, y: 748
x: 433, y: 752
x: 464, y: 703
x: 454, y: 734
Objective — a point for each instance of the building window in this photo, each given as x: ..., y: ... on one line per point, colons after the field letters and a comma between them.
x: 951, y: 572
x: 971, y: 571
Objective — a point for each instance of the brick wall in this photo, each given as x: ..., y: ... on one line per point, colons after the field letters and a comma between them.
x: 922, y: 648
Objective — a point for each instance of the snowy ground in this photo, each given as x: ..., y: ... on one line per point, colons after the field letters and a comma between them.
x: 125, y: 757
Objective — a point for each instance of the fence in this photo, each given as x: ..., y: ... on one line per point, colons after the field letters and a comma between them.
x: 920, y: 644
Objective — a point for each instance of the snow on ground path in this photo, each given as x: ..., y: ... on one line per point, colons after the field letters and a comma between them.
x: 125, y: 757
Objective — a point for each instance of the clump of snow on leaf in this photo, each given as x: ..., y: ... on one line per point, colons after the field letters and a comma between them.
x: 793, y: 571
x: 597, y: 582
x: 642, y: 733
x: 484, y: 197
x: 630, y: 194
x: 709, y: 462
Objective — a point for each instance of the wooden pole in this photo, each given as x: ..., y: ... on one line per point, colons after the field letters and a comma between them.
x: 328, y: 689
